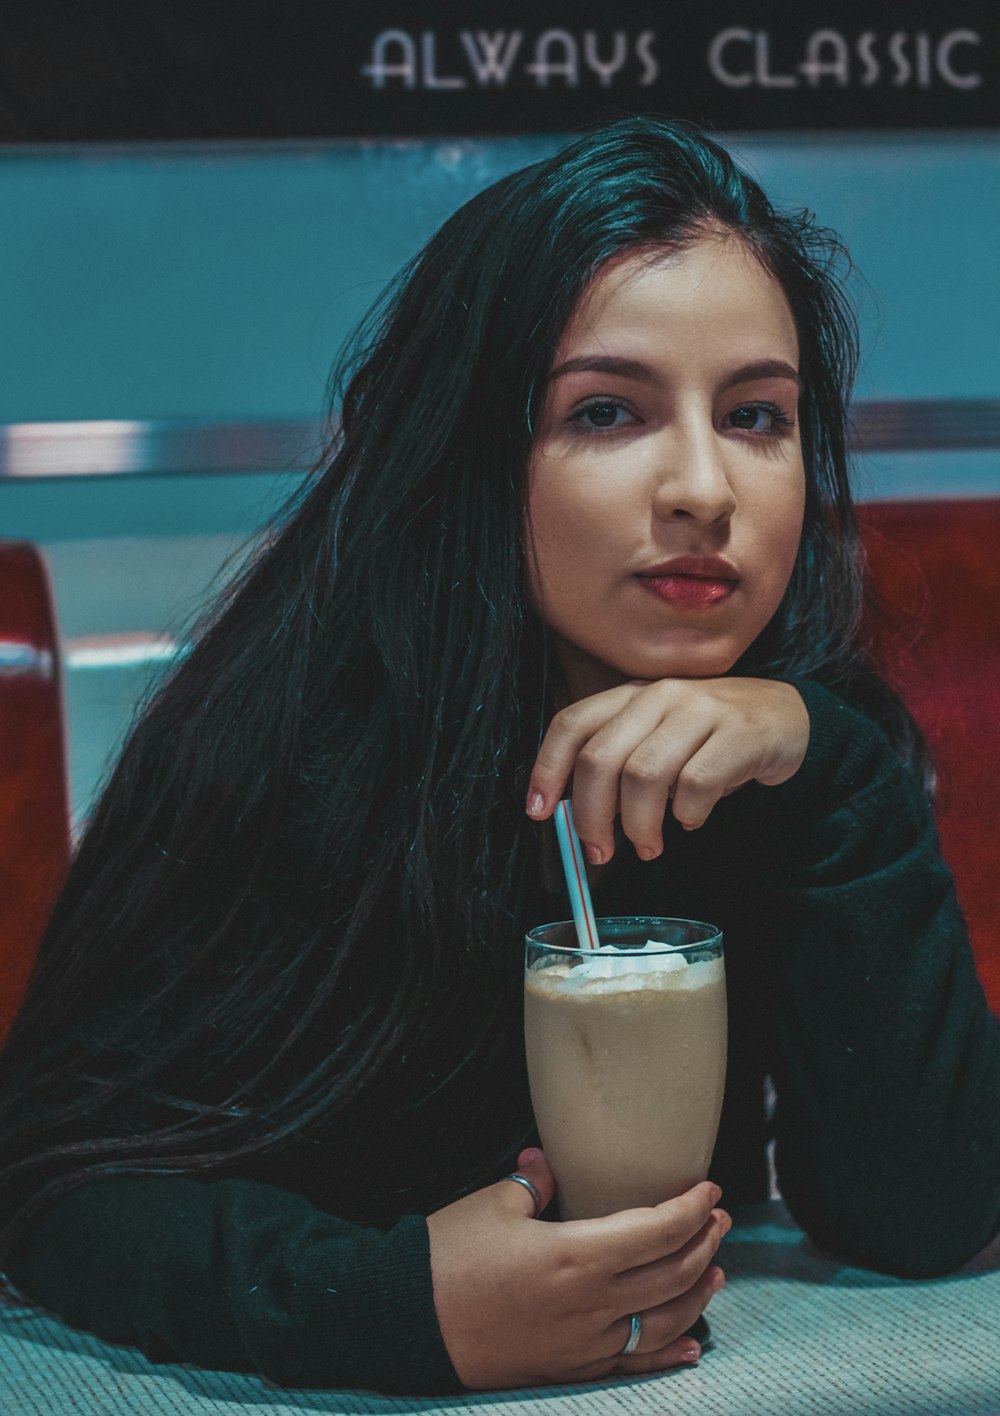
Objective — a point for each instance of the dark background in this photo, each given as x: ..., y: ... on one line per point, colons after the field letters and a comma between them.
x: 169, y: 70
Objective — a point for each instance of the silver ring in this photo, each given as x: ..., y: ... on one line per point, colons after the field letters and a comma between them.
x: 633, y: 1337
x: 520, y: 1179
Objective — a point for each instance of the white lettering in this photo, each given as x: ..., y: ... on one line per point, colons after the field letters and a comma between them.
x: 605, y: 72
x: 898, y: 53
x: 736, y: 57
x: 432, y: 80
x: 405, y: 68
x: 650, y: 68
x: 872, y: 66
x: 491, y: 56
x: 963, y: 81
x: 764, y: 77
x: 544, y: 67
x: 815, y: 66
x: 718, y: 68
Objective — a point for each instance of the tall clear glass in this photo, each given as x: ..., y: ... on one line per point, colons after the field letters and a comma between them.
x: 626, y: 1051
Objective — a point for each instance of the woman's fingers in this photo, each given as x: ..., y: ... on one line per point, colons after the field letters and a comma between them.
x: 629, y: 751
x: 663, y: 1342
x: 520, y: 1199
x: 633, y: 749
x: 568, y: 733
x: 662, y: 1327
x: 667, y: 1278
x: 624, y: 754
x: 722, y: 763
x: 486, y: 1253
x: 632, y: 1238
x: 682, y: 1352
x: 649, y: 779
x: 631, y: 766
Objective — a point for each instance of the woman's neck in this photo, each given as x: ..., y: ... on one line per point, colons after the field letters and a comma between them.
x: 581, y: 675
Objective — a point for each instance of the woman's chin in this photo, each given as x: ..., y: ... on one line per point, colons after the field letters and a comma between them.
x: 588, y: 674
x: 687, y: 662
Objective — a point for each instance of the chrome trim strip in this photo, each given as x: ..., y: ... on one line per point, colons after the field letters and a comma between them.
x: 165, y: 447
x: 121, y: 651
x: 24, y: 660
x: 926, y: 424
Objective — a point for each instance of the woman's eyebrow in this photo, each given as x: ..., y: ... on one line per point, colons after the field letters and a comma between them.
x: 606, y: 364
x: 762, y: 369
x: 636, y: 369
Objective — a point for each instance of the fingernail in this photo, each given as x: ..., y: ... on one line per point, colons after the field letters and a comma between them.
x: 727, y: 1223
x: 692, y: 1353
x: 718, y: 1281
x: 645, y: 852
x: 594, y: 854
x: 536, y: 804
x: 531, y: 1154
x: 716, y: 1194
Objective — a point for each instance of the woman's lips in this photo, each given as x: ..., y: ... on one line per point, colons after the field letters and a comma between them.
x: 690, y: 591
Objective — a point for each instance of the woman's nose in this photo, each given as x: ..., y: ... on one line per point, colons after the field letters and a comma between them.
x: 691, y: 477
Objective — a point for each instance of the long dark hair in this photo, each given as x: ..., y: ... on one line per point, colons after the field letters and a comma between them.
x: 338, y: 767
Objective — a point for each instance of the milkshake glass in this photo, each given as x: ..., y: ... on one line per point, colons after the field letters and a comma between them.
x: 626, y: 1048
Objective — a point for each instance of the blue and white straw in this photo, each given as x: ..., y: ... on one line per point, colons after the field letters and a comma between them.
x: 576, y: 877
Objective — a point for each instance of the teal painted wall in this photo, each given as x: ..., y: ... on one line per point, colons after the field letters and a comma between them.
x: 144, y: 284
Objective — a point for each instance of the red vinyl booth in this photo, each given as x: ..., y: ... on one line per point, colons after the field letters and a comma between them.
x: 34, y: 796
x: 936, y: 565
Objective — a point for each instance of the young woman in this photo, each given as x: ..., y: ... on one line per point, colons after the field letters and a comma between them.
x: 586, y: 527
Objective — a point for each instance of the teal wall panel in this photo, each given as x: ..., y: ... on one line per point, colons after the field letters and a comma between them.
x: 221, y: 282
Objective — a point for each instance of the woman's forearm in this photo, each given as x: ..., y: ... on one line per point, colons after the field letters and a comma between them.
x: 240, y: 1275
x: 888, y: 1058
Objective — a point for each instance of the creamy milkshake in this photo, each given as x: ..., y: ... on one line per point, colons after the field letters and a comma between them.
x: 626, y: 1059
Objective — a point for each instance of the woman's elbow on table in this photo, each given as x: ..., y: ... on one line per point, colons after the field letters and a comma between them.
x: 902, y: 1237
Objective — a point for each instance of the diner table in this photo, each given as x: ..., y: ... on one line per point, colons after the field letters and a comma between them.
x: 795, y: 1334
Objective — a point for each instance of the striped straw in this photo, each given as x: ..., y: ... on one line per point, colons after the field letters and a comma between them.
x: 576, y: 877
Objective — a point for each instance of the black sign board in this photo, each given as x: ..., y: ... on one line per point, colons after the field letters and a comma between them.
x: 169, y: 70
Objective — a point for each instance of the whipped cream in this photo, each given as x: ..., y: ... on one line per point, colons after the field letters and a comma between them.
x: 631, y: 968
x: 607, y: 961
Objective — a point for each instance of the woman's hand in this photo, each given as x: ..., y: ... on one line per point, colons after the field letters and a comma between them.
x: 522, y: 1302
x: 633, y: 749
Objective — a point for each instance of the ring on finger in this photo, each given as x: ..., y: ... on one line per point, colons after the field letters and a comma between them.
x: 532, y: 1189
x: 634, y: 1335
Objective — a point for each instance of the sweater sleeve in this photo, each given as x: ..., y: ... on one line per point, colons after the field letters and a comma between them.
x: 240, y: 1275
x: 887, y: 1066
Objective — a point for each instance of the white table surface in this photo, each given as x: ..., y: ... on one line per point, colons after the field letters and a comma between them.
x: 796, y: 1335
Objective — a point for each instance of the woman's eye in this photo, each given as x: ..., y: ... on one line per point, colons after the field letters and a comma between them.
x: 766, y: 418
x: 602, y: 415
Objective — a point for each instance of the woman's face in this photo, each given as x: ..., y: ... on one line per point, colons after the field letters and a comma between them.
x: 666, y: 483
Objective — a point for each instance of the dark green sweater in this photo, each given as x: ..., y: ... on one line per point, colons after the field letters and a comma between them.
x: 851, y: 984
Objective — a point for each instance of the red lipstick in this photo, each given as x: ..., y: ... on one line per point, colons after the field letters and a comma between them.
x: 691, y: 582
